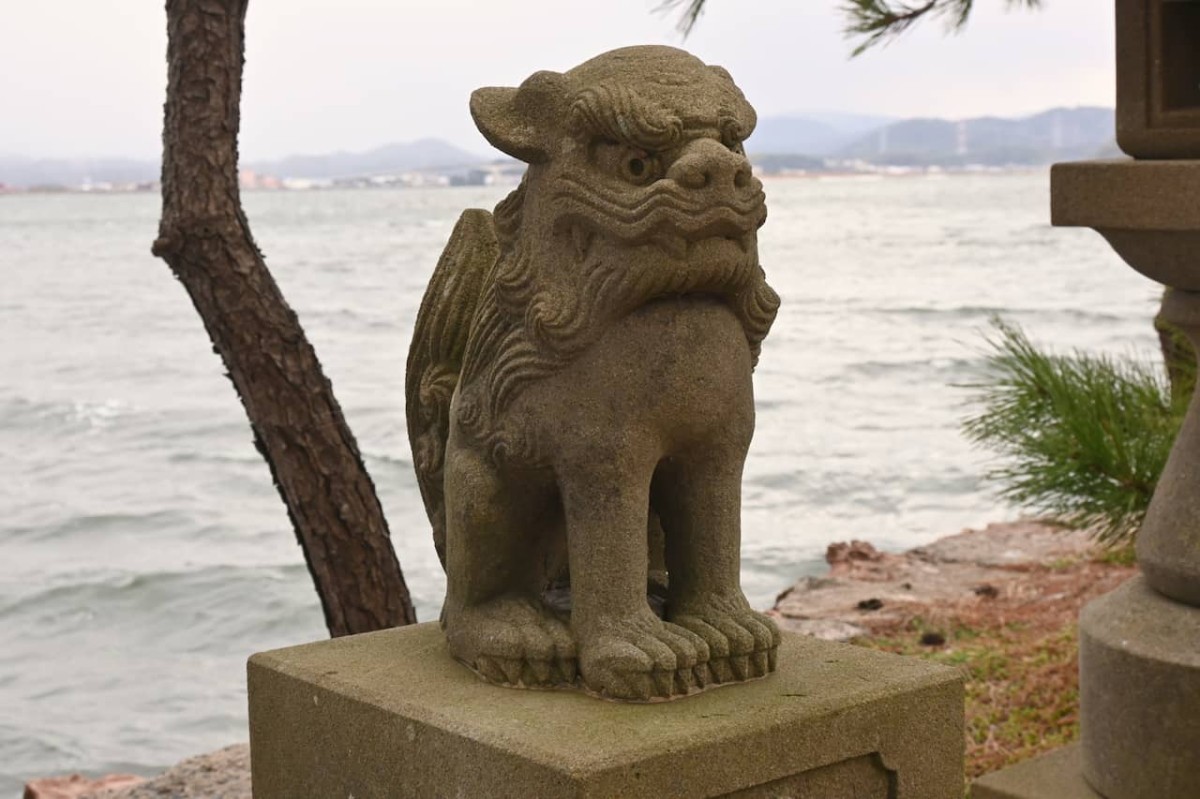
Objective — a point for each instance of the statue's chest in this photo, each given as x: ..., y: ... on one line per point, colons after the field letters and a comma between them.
x: 677, y: 366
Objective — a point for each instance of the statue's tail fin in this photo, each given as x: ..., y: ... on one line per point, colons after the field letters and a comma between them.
x: 435, y: 357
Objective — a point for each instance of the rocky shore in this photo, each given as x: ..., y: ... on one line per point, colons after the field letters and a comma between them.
x: 867, y: 592
x: 1011, y: 586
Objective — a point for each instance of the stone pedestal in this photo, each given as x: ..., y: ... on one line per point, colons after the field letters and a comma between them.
x: 1139, y: 675
x: 390, y: 714
x: 1057, y: 775
x: 1139, y: 670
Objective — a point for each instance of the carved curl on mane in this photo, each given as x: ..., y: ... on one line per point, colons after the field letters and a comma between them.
x: 533, y: 318
x: 618, y: 113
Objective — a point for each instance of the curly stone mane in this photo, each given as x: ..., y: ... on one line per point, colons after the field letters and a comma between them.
x: 535, y: 316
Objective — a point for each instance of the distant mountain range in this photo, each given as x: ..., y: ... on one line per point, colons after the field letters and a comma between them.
x: 803, y: 141
x: 814, y: 135
x: 1056, y: 135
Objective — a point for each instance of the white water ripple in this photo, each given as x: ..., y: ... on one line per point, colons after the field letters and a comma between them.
x: 146, y: 553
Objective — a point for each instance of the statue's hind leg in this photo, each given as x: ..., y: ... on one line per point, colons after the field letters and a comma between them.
x: 494, y: 620
x: 699, y: 500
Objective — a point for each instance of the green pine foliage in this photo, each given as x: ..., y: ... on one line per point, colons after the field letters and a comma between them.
x: 1080, y: 438
x: 872, y: 21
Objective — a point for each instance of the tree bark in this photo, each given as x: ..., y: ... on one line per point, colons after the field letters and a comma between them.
x: 297, y: 423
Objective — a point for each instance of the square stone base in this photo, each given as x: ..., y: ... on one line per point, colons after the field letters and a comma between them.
x: 390, y: 714
x: 1055, y: 775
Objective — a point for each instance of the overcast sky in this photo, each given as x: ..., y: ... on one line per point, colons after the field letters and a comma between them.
x: 86, y: 77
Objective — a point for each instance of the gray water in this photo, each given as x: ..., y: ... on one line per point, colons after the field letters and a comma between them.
x: 145, y: 553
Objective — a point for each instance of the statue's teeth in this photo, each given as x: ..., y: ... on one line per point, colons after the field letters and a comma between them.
x: 672, y: 245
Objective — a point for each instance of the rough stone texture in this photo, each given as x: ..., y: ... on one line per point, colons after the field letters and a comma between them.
x: 1168, y: 544
x: 1139, y: 668
x: 1056, y: 775
x: 390, y: 714
x: 223, y: 774
x: 1158, y: 61
x: 1124, y: 194
x: 579, y: 385
x: 866, y: 588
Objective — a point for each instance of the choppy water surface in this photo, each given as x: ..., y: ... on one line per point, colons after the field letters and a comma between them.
x: 146, y: 555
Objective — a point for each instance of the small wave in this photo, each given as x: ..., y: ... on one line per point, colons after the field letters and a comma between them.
x: 87, y: 524
x: 21, y: 413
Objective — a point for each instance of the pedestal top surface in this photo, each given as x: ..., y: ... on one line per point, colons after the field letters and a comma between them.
x: 1126, y: 194
x: 408, y: 671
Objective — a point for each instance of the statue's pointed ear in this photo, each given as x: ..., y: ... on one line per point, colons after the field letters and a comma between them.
x: 524, y: 121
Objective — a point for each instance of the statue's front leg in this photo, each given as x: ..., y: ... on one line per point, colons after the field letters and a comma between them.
x: 699, y: 501
x: 624, y: 650
x: 494, y: 619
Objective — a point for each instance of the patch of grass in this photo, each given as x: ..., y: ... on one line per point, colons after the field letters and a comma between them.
x: 1118, y: 556
x: 1022, y: 688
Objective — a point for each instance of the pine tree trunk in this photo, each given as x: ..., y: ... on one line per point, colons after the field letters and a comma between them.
x: 297, y: 423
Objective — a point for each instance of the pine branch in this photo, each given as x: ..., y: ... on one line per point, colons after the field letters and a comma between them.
x: 877, y: 21
x: 690, y: 15
x: 1079, y: 437
x: 880, y: 21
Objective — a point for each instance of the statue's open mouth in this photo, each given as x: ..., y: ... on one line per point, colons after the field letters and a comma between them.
x: 680, y: 246
x: 669, y: 218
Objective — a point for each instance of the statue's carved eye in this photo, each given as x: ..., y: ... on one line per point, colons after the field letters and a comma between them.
x: 631, y: 164
x: 640, y: 169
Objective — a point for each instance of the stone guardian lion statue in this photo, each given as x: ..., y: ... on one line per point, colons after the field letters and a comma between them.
x: 579, y: 393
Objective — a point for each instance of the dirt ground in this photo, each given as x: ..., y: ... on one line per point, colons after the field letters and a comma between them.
x: 1001, y: 603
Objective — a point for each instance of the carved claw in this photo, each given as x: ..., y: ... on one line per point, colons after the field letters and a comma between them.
x: 513, y: 641
x: 664, y: 683
x: 566, y: 670
x: 685, y: 681
x: 490, y: 670
x: 743, y: 643
x: 539, y: 672
x: 721, y: 670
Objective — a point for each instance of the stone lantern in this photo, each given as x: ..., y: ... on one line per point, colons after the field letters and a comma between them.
x: 1158, y: 78
x: 1140, y: 645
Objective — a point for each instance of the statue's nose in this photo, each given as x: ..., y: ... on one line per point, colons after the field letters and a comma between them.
x: 706, y: 163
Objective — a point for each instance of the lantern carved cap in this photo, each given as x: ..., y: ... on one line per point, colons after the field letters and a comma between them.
x: 1158, y: 78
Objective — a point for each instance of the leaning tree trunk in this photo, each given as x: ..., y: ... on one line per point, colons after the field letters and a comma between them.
x: 297, y: 423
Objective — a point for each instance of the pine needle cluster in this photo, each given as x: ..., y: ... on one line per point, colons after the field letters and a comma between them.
x: 873, y: 21
x: 1080, y: 438
x: 877, y: 21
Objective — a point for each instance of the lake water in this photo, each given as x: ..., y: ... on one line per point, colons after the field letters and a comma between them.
x: 146, y: 554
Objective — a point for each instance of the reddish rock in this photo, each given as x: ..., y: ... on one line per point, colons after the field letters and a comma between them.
x: 866, y: 589
x: 76, y: 787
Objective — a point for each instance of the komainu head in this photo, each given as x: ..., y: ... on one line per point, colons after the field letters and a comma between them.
x: 638, y: 188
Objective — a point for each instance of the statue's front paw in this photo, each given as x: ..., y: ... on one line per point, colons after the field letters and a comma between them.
x: 513, y: 641
x: 744, y: 643
x: 643, y: 659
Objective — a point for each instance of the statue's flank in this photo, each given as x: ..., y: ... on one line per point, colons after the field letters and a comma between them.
x: 579, y: 386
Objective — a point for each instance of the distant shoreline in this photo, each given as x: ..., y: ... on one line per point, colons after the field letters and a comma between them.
x: 366, y: 184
